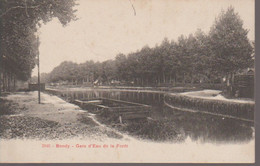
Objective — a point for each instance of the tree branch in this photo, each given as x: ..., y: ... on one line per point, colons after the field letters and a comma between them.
x: 26, y: 11
x: 17, y: 7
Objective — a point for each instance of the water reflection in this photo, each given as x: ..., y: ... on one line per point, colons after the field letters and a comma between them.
x: 199, y: 127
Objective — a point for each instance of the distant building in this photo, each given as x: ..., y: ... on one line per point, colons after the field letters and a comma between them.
x: 243, y: 84
x: 21, y: 85
x: 35, y: 87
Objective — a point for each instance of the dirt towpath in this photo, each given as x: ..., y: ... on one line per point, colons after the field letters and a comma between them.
x: 22, y: 117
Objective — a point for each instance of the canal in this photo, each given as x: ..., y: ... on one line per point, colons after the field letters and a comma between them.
x: 196, y: 126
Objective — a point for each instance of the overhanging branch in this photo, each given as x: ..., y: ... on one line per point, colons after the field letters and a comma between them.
x: 18, y: 7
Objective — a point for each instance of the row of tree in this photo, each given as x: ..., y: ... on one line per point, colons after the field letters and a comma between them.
x: 18, y: 39
x: 199, y: 57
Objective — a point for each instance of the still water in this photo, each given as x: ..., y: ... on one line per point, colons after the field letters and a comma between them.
x: 197, y: 126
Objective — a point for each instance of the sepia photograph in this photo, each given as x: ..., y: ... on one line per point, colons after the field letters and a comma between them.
x: 127, y: 81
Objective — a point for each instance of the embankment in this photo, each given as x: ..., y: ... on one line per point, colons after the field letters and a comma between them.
x: 243, y: 111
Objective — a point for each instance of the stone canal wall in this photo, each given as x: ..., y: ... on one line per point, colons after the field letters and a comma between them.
x: 236, y: 109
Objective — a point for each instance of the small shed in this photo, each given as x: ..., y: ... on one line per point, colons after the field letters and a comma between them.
x: 35, y: 87
x: 243, y: 85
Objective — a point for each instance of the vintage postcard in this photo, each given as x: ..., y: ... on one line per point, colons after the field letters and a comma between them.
x: 127, y: 81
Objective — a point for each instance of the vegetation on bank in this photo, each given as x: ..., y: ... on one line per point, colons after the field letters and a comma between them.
x: 5, y: 107
x: 150, y: 129
x: 200, y: 57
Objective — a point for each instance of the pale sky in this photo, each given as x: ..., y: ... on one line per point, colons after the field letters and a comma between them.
x: 108, y: 27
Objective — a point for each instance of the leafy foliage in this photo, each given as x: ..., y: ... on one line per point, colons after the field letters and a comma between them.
x: 193, y: 59
x: 19, y: 43
x: 229, y: 43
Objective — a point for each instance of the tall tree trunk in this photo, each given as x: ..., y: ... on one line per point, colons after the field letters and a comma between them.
x: 192, y: 78
x: 175, y: 78
x: 1, y: 81
x: 183, y: 79
x: 6, y: 82
x: 163, y: 77
x: 229, y: 86
x: 232, y: 78
x: 9, y: 82
x: 14, y: 83
x: 228, y: 79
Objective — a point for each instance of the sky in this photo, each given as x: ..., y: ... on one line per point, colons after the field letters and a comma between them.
x: 106, y: 28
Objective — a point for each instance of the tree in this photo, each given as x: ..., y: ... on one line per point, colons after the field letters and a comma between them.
x: 192, y: 59
x: 19, y: 44
x: 109, y: 70
x: 121, y: 66
x: 201, y: 57
x: 181, y: 53
x: 229, y: 43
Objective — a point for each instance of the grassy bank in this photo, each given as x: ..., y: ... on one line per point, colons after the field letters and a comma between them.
x: 7, y: 107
